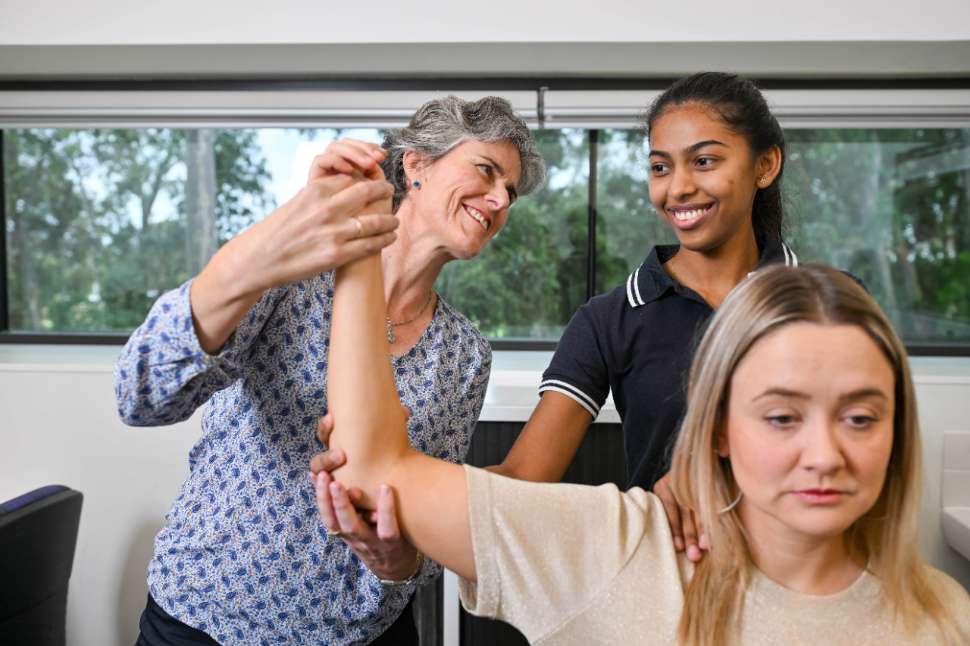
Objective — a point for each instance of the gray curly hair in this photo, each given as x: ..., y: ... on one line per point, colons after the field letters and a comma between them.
x: 441, y: 124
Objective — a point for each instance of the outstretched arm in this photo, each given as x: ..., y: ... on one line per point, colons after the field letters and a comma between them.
x: 370, y: 426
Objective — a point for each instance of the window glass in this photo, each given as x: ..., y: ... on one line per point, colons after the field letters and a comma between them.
x: 532, y: 276
x: 99, y: 222
x: 627, y: 227
x: 893, y: 208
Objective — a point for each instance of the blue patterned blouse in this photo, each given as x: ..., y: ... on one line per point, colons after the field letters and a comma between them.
x: 243, y: 555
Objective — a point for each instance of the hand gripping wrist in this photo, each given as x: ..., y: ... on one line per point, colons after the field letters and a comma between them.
x: 418, y: 563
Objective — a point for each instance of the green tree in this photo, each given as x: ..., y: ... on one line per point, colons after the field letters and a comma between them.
x: 522, y: 285
x: 98, y: 223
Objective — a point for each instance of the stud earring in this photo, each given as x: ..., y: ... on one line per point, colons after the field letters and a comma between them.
x: 416, y: 184
x: 763, y: 181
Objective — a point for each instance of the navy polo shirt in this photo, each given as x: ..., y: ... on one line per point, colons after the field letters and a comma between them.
x: 638, y: 342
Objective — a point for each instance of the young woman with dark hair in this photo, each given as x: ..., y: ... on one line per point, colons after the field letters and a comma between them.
x: 716, y: 159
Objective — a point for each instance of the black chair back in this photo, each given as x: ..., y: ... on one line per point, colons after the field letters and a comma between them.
x: 38, y: 533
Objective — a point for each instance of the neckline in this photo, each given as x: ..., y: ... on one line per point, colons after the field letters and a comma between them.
x: 775, y: 589
x: 427, y: 330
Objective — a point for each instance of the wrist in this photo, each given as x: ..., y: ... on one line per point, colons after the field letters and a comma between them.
x: 239, y: 268
x: 219, y: 298
x: 410, y: 574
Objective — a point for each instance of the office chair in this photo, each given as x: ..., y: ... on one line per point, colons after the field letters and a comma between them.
x: 38, y: 532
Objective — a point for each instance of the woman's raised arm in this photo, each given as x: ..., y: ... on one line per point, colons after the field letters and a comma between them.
x: 370, y: 426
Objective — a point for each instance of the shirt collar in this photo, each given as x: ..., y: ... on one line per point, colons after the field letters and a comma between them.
x: 649, y: 281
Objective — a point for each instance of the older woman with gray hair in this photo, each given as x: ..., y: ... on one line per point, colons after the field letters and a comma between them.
x: 243, y: 557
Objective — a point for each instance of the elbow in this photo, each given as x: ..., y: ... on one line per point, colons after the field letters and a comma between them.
x: 139, y: 405
x: 129, y: 416
x: 127, y: 405
x: 132, y: 411
x: 375, y: 447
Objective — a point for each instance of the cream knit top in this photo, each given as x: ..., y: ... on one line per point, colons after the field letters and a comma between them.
x: 570, y: 564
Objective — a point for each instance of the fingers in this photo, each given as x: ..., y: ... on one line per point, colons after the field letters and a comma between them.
x: 689, y: 529
x: 387, y: 527
x: 357, y: 159
x: 325, y: 428
x: 324, y: 504
x: 703, y: 541
x: 346, y: 156
x: 673, y: 511
x: 359, y: 196
x: 356, y: 495
x: 354, y: 249
x: 371, y: 224
x: 348, y: 520
x: 333, y: 184
x: 327, y: 461
x: 363, y: 154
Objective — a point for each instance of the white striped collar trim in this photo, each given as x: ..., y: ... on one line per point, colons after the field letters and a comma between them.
x: 633, y: 289
x: 633, y: 280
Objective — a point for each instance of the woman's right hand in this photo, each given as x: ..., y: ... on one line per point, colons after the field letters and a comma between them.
x: 359, y: 159
x: 333, y: 220
x: 373, y: 536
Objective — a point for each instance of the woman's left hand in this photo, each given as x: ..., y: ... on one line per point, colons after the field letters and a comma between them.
x: 686, y: 530
x: 376, y: 539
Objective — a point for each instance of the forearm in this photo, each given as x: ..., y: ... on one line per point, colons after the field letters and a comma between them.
x: 548, y: 442
x: 221, y: 296
x: 370, y: 426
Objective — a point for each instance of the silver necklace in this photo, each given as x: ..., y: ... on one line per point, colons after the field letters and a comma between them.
x: 390, y: 326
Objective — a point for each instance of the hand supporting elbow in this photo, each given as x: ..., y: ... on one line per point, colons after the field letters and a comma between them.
x: 367, y: 464
x: 375, y: 537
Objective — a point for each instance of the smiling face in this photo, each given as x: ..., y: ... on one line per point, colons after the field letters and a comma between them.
x: 809, y: 430
x: 704, y: 176
x: 465, y: 196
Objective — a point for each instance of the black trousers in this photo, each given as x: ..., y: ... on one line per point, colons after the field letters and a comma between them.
x: 158, y: 628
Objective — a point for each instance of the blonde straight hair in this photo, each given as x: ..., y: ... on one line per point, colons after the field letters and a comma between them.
x: 885, y: 536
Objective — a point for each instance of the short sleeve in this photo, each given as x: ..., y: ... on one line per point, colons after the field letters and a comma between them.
x: 578, y: 368
x: 544, y: 552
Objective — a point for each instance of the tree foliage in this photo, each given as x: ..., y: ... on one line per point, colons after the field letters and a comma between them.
x: 97, y: 224
x: 100, y: 222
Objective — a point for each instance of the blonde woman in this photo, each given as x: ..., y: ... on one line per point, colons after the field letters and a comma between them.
x: 800, y: 452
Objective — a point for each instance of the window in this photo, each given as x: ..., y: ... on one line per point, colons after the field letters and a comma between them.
x: 100, y: 222
x: 891, y: 206
x: 109, y: 201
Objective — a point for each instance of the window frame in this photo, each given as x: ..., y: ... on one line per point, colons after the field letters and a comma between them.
x: 574, y: 103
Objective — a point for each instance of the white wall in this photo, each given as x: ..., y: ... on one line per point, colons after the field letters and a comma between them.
x: 609, y: 38
x: 60, y: 426
x: 108, y: 22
